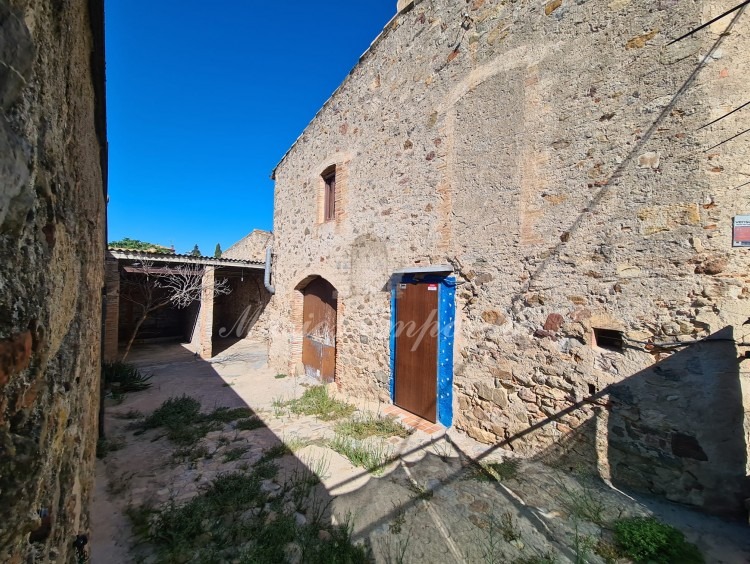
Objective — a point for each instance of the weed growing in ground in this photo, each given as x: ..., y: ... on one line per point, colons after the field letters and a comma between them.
x: 582, y: 545
x: 394, y: 548
x: 191, y: 453
x: 274, y: 452
x: 279, y: 406
x: 227, y: 522
x: 399, y: 519
x: 305, y: 477
x: 279, y: 376
x: 124, y: 377
x: 118, y: 484
x: 544, y: 558
x: 295, y: 442
x: 494, y: 471
x: 184, y: 422
x: 608, y: 551
x: 582, y: 503
x: 105, y: 446
x: 130, y: 414
x: 174, y: 412
x: 250, y: 424
x: 371, y: 425
x: 372, y: 455
x: 316, y: 401
x: 227, y: 415
x: 505, y: 470
x: 489, y: 542
x: 645, y: 539
x: 442, y: 449
x: 420, y: 492
x: 508, y: 526
x: 235, y: 453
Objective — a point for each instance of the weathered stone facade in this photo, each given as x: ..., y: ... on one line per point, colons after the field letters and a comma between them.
x: 251, y: 247
x: 52, y: 224
x: 555, y: 156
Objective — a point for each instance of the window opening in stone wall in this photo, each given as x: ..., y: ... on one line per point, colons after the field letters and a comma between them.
x: 609, y: 339
x: 329, y: 194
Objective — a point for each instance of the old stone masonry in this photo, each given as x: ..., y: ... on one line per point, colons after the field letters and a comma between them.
x: 547, y: 183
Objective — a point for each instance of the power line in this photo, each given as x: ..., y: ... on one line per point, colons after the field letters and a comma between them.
x: 725, y: 115
x: 725, y: 140
x: 700, y: 27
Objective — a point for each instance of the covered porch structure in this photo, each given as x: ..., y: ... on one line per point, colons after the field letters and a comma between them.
x: 209, y: 322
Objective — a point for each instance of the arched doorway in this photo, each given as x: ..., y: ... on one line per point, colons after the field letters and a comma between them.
x: 319, y: 329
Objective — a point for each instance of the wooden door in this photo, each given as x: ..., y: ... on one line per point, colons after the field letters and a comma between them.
x: 416, y: 349
x: 319, y: 330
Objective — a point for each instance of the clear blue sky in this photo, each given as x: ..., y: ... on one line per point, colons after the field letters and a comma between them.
x: 203, y: 100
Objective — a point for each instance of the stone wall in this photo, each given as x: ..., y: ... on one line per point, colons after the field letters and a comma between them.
x: 239, y: 314
x: 251, y: 247
x: 52, y: 220
x: 554, y: 155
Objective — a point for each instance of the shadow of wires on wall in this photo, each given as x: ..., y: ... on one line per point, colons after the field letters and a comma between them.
x: 675, y: 429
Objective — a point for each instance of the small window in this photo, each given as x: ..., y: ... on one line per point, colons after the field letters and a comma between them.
x: 608, y: 339
x: 329, y: 194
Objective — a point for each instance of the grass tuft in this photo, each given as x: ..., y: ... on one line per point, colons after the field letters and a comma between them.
x: 370, y: 425
x: 250, y: 424
x: 494, y: 471
x: 372, y: 455
x: 316, y: 401
x: 184, y: 422
x: 235, y: 453
x: 228, y: 522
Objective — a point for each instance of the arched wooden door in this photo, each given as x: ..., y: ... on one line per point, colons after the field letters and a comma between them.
x: 319, y: 330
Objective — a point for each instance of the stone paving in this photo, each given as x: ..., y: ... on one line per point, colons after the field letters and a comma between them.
x: 429, y: 504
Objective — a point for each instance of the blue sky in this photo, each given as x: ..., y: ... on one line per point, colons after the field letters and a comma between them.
x: 203, y: 100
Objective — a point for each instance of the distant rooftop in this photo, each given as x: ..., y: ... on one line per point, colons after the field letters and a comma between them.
x: 130, y: 254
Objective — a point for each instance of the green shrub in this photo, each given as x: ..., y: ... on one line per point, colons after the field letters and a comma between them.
x: 645, y: 539
x: 124, y: 377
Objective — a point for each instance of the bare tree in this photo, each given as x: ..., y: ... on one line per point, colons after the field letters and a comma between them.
x: 155, y: 287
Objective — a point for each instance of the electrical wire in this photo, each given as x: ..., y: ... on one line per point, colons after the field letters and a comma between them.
x: 725, y: 140
x: 717, y: 18
x: 725, y: 115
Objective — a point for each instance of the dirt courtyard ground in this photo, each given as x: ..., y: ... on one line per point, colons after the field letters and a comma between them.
x: 424, y: 498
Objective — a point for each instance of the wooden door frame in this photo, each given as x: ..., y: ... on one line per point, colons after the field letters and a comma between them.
x: 446, y: 326
x: 297, y: 316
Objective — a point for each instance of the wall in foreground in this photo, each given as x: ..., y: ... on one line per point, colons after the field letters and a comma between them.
x: 51, y: 273
x: 555, y: 156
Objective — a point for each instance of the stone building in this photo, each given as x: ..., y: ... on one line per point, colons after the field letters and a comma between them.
x: 210, y: 324
x: 52, y: 225
x: 514, y: 218
x: 251, y: 247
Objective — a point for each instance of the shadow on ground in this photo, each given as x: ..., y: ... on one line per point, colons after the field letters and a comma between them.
x: 432, y: 502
